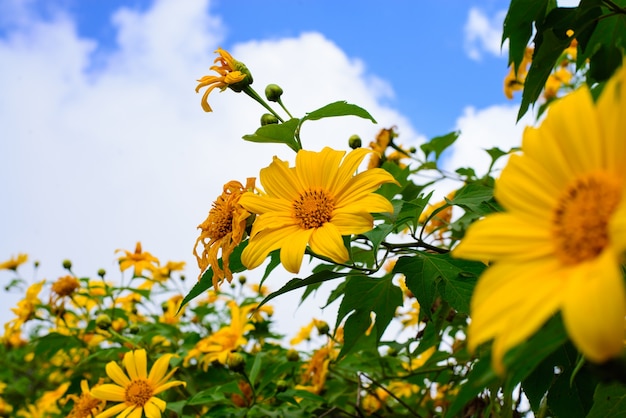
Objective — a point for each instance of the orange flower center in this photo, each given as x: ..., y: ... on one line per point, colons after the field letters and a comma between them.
x: 313, y: 208
x: 138, y: 392
x: 65, y: 286
x: 581, y: 217
x: 85, y: 405
x: 220, y: 219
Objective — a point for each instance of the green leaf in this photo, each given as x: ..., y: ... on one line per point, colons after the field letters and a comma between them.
x: 378, y: 234
x: 609, y: 400
x: 51, y: 343
x: 473, y: 197
x: 340, y: 108
x: 363, y: 295
x: 281, y: 133
x: 256, y: 368
x: 439, y: 144
x: 518, y: 25
x: 431, y: 275
x: 296, y: 283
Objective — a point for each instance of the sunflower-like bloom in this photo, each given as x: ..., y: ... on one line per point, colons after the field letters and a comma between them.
x: 560, y: 244
x: 140, y: 260
x: 232, y: 73
x: 85, y: 405
x: 14, y: 262
x: 314, y: 203
x: 135, y: 391
x: 222, y: 229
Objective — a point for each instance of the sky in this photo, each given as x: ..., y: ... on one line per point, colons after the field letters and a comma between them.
x: 104, y: 143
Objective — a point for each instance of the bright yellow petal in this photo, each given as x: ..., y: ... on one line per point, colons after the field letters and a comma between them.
x: 347, y: 169
x: 293, y: 248
x: 152, y: 409
x: 527, y: 189
x: 159, y: 369
x: 136, y: 363
x: 109, y: 392
x: 504, y: 236
x: 326, y: 241
x: 262, y: 204
x: 572, y: 123
x: 116, y: 373
x: 511, y: 301
x: 540, y: 146
x: 274, y: 220
x: 613, y: 120
x: 132, y: 412
x: 370, y: 203
x: 165, y: 386
x: 617, y: 226
x: 361, y: 185
x: 595, y: 307
x: 279, y: 181
x: 317, y: 169
x: 113, y: 411
x: 349, y: 223
x: 264, y: 243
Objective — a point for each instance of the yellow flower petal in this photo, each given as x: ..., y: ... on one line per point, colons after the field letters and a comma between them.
x: 352, y: 222
x: 113, y: 411
x: 116, y: 373
x: 109, y: 392
x: 266, y: 241
x: 159, y: 369
x: 280, y: 181
x: 595, y: 307
x: 293, y: 248
x: 327, y: 240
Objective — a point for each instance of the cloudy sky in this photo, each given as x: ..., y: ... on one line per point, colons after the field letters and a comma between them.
x: 104, y: 143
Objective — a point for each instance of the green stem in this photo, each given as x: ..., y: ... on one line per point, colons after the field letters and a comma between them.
x: 252, y: 93
x: 280, y: 102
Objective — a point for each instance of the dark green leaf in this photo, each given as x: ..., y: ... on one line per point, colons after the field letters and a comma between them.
x: 609, y: 400
x: 296, y: 283
x: 438, y: 144
x: 256, y: 368
x: 340, y: 108
x: 518, y: 25
x: 281, y: 133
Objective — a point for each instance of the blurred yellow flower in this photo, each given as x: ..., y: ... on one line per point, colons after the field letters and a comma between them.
x: 559, y: 246
x: 85, y: 405
x: 232, y: 73
x: 139, y: 259
x: 135, y: 390
x: 14, y: 262
x: 315, y: 371
x: 514, y: 80
x: 223, y: 229
x: 555, y: 81
x: 437, y: 224
x: 314, y: 203
x: 46, y: 405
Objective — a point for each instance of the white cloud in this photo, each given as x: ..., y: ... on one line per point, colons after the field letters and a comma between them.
x: 483, y: 35
x: 103, y: 149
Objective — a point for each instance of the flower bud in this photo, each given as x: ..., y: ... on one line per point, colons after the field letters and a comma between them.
x: 236, y: 362
x: 273, y: 92
x: 322, y: 327
x: 354, y: 142
x: 268, y: 119
x: 242, y: 279
x: 292, y: 355
x: 282, y: 385
x: 67, y: 264
x: 133, y: 329
x: 101, y: 273
x: 103, y: 321
x: 239, y: 86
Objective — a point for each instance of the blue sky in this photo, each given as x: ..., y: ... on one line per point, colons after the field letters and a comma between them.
x: 104, y: 142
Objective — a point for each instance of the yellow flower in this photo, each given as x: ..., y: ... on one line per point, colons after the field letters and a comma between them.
x: 14, y: 262
x: 85, y: 405
x: 139, y: 260
x: 219, y: 345
x: 46, y: 405
x: 437, y: 224
x: 559, y: 245
x: 232, y: 73
x: 314, y: 203
x: 555, y: 81
x: 135, y: 391
x: 314, y: 373
x: 222, y: 229
x: 514, y: 80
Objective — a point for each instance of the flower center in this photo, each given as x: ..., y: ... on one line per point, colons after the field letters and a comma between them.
x: 313, y: 208
x: 220, y: 220
x: 85, y: 405
x: 138, y: 392
x: 581, y: 218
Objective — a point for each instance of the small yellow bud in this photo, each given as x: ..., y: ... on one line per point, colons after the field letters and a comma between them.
x: 322, y: 327
x: 103, y: 321
x: 268, y: 119
x: 236, y: 362
x: 273, y: 92
x: 292, y: 355
x: 354, y: 142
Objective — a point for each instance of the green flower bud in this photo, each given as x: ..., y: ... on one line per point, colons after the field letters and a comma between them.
x: 354, y: 142
x: 67, y: 264
x: 103, y: 321
x: 292, y: 355
x: 133, y: 329
x: 268, y: 119
x: 281, y: 386
x: 322, y: 327
x: 238, y: 87
x: 102, y: 272
x: 392, y: 352
x: 242, y: 279
x: 273, y: 92
x: 412, y: 150
x: 236, y: 362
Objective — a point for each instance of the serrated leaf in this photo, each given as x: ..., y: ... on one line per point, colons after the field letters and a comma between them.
x: 518, y: 26
x: 340, y: 108
x: 609, y: 400
x: 281, y: 133
x: 439, y: 144
x: 378, y: 234
x: 473, y: 196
